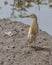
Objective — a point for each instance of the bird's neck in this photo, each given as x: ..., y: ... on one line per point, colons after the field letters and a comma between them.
x: 34, y: 20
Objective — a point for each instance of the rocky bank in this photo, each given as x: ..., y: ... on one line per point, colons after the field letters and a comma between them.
x: 13, y: 49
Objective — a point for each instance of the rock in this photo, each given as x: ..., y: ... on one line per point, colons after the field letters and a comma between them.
x: 13, y: 45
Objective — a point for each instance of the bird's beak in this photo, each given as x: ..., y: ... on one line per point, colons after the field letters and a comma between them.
x: 26, y: 16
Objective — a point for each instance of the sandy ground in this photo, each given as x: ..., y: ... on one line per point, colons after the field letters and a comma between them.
x: 13, y: 50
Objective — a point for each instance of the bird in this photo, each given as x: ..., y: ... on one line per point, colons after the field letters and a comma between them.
x: 33, y: 29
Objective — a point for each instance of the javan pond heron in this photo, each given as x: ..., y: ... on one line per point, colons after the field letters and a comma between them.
x: 33, y: 29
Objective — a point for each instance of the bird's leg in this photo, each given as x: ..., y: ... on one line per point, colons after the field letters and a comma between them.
x: 28, y: 43
x: 34, y: 41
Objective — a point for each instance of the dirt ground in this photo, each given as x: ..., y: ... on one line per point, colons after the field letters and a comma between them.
x: 13, y: 49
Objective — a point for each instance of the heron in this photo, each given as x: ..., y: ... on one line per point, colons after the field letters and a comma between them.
x: 33, y: 29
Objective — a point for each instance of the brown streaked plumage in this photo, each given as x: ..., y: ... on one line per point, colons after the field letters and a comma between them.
x: 33, y: 29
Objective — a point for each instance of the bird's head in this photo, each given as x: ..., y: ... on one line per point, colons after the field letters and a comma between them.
x: 31, y: 16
